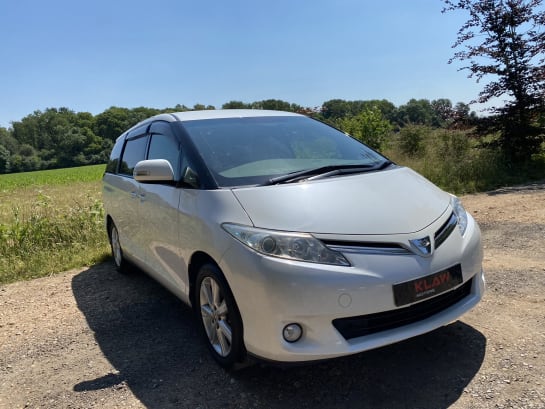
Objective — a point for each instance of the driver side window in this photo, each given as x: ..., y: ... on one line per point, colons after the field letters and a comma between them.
x: 164, y: 145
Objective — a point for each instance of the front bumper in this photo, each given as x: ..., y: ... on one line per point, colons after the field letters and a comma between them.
x: 273, y: 292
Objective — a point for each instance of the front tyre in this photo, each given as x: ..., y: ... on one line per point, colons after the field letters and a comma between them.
x: 218, y: 316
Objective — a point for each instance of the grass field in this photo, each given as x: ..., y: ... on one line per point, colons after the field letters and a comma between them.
x: 48, y: 178
x: 50, y: 221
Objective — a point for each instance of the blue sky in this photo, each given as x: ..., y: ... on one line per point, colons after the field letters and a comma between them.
x: 88, y: 56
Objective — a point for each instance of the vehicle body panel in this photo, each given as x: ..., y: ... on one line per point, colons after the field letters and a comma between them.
x: 372, y: 218
x: 366, y: 203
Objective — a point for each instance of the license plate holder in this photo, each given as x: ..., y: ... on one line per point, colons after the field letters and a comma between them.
x: 428, y: 286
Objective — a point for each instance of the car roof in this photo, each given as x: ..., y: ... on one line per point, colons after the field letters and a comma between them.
x: 210, y: 114
x: 228, y: 113
x: 215, y: 114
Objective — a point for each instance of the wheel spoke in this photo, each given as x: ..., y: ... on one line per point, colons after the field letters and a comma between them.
x: 225, y: 330
x: 222, y: 309
x: 224, y: 345
x: 206, y: 311
x: 216, y: 292
x: 207, y: 293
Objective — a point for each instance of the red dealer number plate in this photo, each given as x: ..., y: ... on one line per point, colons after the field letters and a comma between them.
x: 426, y: 287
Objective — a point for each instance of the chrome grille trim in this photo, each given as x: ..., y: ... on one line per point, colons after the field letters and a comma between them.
x: 365, y: 248
x: 446, y: 229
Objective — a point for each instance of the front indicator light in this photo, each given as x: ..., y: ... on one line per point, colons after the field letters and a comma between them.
x: 292, y: 246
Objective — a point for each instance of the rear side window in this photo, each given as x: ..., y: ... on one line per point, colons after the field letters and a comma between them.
x: 111, y: 167
x: 134, y: 152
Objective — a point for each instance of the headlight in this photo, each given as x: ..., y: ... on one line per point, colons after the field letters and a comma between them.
x: 460, y: 213
x: 292, y: 246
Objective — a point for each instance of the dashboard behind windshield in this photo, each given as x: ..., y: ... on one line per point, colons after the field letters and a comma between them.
x: 248, y: 151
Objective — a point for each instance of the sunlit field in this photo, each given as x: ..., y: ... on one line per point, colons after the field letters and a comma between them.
x: 50, y: 221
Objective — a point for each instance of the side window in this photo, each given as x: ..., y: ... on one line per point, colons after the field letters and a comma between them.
x: 134, y: 152
x: 164, y: 145
x: 111, y: 167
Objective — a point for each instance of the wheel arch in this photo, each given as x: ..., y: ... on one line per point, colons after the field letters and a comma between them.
x: 197, y: 260
x: 109, y: 222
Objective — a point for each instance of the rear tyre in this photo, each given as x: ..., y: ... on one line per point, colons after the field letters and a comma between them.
x: 117, y: 251
x: 218, y: 317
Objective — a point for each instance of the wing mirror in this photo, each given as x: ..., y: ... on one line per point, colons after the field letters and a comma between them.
x: 153, y: 170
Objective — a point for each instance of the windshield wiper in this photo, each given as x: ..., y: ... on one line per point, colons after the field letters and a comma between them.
x: 326, y: 171
x: 348, y: 171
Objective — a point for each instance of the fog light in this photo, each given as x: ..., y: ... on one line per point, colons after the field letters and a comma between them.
x: 292, y: 332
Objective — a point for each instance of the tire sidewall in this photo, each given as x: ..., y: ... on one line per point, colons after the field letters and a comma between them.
x: 237, y: 352
x: 121, y: 267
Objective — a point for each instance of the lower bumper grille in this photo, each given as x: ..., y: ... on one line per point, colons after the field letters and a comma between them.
x: 353, y: 327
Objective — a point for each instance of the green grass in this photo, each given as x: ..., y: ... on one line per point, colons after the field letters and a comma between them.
x: 50, y: 221
x: 55, y: 177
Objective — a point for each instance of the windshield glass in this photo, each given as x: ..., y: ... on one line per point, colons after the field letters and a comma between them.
x: 249, y: 151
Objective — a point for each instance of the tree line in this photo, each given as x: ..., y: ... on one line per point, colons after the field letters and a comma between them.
x: 60, y: 137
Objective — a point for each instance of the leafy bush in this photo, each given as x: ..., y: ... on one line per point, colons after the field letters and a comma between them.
x: 458, y: 163
x: 411, y: 138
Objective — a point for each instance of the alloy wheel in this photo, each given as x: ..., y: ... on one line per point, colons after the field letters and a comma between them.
x: 215, y: 316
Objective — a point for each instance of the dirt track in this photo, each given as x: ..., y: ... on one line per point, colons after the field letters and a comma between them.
x: 96, y: 339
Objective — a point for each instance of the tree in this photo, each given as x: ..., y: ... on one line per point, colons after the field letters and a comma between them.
x: 236, y: 105
x: 336, y: 108
x: 339, y: 108
x: 4, y: 159
x: 276, y: 105
x: 504, y: 39
x: 463, y: 117
x: 9, y: 142
x: 443, y: 112
x: 416, y: 112
x: 368, y: 126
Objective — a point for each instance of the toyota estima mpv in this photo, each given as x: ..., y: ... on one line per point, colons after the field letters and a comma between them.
x: 291, y: 240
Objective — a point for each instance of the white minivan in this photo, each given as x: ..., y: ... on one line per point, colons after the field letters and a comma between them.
x: 291, y: 240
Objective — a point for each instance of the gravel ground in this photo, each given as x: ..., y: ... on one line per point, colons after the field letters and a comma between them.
x: 95, y: 339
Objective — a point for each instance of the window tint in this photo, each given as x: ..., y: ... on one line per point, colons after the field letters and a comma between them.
x: 111, y: 167
x: 165, y: 147
x: 135, y: 151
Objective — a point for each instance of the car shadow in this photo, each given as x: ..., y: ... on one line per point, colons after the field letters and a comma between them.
x: 151, y: 339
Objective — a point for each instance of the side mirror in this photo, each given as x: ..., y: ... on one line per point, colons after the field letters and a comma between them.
x: 153, y: 170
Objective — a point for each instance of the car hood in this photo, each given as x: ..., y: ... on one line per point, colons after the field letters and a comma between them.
x: 394, y: 201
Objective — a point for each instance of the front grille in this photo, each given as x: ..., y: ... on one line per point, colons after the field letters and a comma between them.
x: 444, y: 231
x: 366, y: 247
x: 353, y: 327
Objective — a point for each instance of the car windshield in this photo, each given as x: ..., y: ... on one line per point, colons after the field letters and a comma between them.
x: 253, y: 150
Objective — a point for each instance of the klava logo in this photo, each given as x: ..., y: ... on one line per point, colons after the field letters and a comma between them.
x: 427, y: 285
x: 422, y: 246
